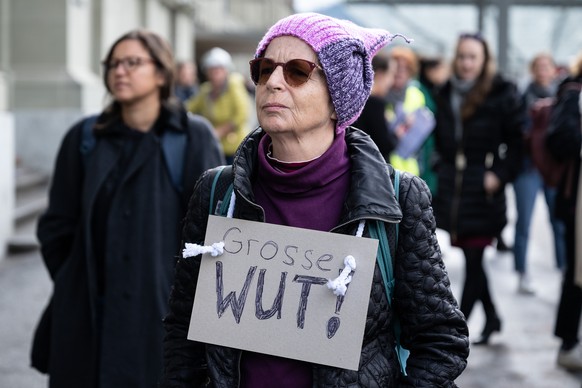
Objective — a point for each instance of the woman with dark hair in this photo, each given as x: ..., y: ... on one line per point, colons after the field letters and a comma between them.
x: 432, y: 74
x: 109, y: 236
x: 373, y: 118
x: 186, y: 80
x: 479, y: 143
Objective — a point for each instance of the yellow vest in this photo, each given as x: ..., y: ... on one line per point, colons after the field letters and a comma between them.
x: 232, y: 106
x: 413, y: 100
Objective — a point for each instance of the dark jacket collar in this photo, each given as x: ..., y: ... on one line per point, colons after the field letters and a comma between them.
x: 172, y: 117
x: 371, y: 193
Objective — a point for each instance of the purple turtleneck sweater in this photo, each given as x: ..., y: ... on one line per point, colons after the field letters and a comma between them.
x: 307, y: 195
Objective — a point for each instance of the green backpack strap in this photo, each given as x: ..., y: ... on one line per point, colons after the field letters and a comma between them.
x: 377, y: 230
x: 221, y: 188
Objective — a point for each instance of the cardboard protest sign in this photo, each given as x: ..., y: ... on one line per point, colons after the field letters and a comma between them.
x: 267, y: 293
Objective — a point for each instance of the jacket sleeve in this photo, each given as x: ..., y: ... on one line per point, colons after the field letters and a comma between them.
x: 564, y: 136
x: 184, y: 360
x: 58, y: 225
x: 433, y: 328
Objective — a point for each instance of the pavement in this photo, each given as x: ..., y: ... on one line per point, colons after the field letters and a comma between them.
x: 522, y: 355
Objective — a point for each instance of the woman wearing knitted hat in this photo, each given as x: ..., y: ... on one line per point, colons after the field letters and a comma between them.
x: 306, y: 167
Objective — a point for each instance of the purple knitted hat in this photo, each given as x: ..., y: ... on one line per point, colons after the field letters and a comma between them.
x: 345, y: 51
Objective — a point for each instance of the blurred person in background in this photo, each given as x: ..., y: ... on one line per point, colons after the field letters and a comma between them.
x: 223, y: 99
x: 564, y: 141
x: 529, y: 181
x: 403, y: 99
x: 433, y: 73
x: 109, y: 235
x: 186, y: 80
x: 478, y: 113
x: 373, y: 118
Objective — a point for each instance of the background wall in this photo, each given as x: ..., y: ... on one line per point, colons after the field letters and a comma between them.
x: 50, y: 74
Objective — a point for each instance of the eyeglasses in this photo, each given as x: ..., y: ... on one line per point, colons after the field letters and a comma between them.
x: 129, y: 64
x: 296, y: 71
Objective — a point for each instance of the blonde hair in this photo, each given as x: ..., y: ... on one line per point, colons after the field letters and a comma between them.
x: 408, y: 55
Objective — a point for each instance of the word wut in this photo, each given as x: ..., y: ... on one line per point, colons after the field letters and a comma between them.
x: 291, y: 255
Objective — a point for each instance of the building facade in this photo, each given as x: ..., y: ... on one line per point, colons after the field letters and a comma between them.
x: 50, y: 73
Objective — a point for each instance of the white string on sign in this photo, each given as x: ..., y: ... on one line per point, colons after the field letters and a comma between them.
x: 339, y: 285
x: 216, y: 249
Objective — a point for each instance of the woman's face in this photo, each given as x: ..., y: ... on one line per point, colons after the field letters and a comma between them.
x: 402, y: 75
x: 470, y: 59
x: 293, y: 110
x: 544, y: 71
x: 187, y: 74
x: 384, y: 79
x: 217, y: 76
x: 132, y: 75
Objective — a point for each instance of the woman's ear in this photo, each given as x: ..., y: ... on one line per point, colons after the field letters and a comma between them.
x: 333, y: 115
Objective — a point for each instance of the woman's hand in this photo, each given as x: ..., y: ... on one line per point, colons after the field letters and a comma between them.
x: 491, y: 183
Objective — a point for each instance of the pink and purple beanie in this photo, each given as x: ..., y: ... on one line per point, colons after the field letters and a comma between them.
x: 345, y: 52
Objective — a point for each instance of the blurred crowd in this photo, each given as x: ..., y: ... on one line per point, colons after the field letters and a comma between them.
x: 468, y: 131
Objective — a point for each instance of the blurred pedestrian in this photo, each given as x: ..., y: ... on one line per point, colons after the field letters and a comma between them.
x: 478, y: 114
x: 565, y: 143
x: 404, y: 101
x: 223, y: 99
x: 529, y: 181
x: 109, y: 235
x: 306, y: 167
x: 186, y: 80
x: 433, y: 73
x: 373, y: 118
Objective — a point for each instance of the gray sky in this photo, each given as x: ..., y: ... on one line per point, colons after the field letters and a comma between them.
x: 312, y: 5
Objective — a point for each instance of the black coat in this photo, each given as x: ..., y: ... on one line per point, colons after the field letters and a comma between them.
x: 433, y: 328
x: 564, y: 140
x: 373, y: 121
x: 491, y: 141
x: 142, y: 242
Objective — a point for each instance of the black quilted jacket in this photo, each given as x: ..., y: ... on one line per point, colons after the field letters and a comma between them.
x: 433, y: 328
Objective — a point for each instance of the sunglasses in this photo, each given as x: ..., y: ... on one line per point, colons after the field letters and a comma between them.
x: 296, y: 71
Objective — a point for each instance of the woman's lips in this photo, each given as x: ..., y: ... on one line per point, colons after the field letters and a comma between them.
x: 273, y: 106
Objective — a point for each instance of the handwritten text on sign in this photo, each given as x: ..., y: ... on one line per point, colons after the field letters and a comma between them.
x: 267, y: 292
